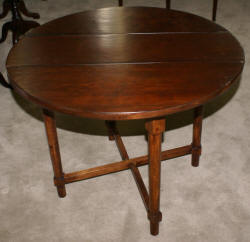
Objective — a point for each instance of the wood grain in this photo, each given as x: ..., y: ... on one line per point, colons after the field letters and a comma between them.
x: 123, y: 165
x: 126, y: 20
x: 107, y: 67
x: 113, y: 92
x: 50, y: 126
x: 155, y: 129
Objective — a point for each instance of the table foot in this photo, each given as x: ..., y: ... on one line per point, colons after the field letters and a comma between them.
x: 50, y: 126
x: 197, y: 128
x: 154, y: 222
x: 61, y: 190
x: 3, y: 82
x: 6, y: 27
x: 155, y: 129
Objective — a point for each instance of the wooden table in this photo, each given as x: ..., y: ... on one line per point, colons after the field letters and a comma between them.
x: 122, y: 64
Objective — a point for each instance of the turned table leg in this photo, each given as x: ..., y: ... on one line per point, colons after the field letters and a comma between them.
x: 50, y: 126
x: 155, y: 129
x: 196, y: 144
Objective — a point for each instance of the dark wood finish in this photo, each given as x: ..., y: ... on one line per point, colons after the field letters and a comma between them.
x: 196, y: 144
x: 17, y: 25
x: 3, y: 82
x: 111, y: 125
x: 126, y: 63
x: 168, y: 4
x: 155, y: 129
x: 194, y: 83
x: 59, y: 54
x: 49, y: 121
x: 214, y: 10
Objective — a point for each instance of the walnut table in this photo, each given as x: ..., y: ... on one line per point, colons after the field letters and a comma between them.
x: 123, y: 64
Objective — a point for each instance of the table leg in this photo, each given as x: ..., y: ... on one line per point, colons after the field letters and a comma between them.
x: 6, y: 8
x: 120, y: 3
x: 196, y: 144
x: 3, y: 82
x: 26, y: 12
x: 215, y: 3
x: 111, y: 125
x: 50, y: 125
x: 168, y: 4
x: 155, y: 129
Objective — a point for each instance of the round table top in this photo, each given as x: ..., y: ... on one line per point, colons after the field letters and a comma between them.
x: 125, y: 63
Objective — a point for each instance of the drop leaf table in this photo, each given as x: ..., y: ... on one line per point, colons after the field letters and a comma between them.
x: 126, y: 63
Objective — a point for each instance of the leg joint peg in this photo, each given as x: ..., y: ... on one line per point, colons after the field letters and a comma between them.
x: 155, y: 217
x: 196, y: 149
x: 59, y: 181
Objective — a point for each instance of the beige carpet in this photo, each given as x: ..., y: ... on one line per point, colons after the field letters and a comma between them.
x: 208, y: 203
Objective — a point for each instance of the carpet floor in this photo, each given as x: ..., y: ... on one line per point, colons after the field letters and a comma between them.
x: 205, y: 204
